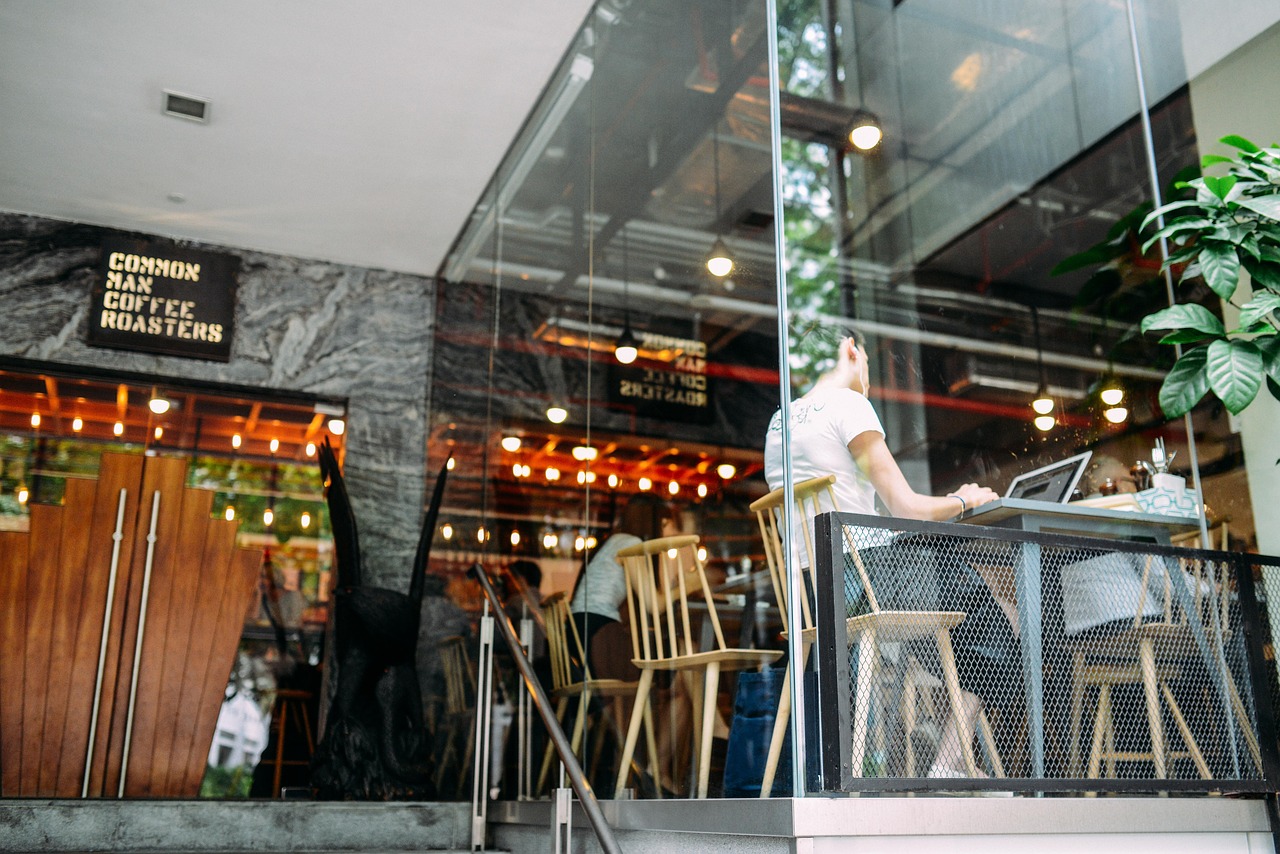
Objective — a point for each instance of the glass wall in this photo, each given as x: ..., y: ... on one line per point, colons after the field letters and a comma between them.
x: 983, y: 242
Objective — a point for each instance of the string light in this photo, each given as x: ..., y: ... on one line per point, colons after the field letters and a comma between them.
x: 511, y: 443
x: 450, y: 463
x: 305, y: 520
x: 1044, y: 423
x: 579, y: 543
x: 515, y: 538
x: 77, y: 424
x: 481, y: 534
x: 613, y: 481
x: 23, y: 495
x: 702, y: 490
x: 118, y: 428
x: 159, y: 405
x: 268, y: 516
x: 158, y: 432
x: 337, y: 426
x: 274, y: 445
x: 582, y: 453
x: 673, y: 488
x: 230, y: 513
x: 310, y: 449
x: 1116, y: 414
x: 549, y: 540
x: 557, y: 414
x: 35, y: 419
x: 702, y: 554
x: 726, y: 470
x: 446, y: 531
x: 517, y: 470
x: 591, y: 542
x: 553, y: 474
x: 645, y: 484
x: 236, y: 440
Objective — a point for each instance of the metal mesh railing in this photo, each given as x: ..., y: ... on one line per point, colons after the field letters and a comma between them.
x: 952, y: 656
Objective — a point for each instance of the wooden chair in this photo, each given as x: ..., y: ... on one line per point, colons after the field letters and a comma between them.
x: 564, y: 645
x: 814, y: 496
x: 459, y: 708
x: 662, y: 576
x: 1151, y: 653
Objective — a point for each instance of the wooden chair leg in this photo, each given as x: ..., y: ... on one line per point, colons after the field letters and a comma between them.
x: 867, y: 657
x: 951, y: 677
x: 711, y: 687
x: 779, y: 735
x: 633, y: 729
x: 989, y: 742
x: 1246, y: 726
x: 1077, y: 714
x: 562, y: 705
x: 651, y: 745
x: 1100, y: 718
x: 907, y: 709
x: 1147, y: 660
x: 1184, y: 730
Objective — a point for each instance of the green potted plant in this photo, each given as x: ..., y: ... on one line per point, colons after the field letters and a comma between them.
x: 1231, y: 225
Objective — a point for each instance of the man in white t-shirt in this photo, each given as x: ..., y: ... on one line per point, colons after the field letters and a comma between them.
x: 835, y: 430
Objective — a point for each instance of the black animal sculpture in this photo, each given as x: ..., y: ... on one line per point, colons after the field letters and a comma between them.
x: 375, y: 743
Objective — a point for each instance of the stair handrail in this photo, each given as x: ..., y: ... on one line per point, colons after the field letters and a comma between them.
x: 573, y: 769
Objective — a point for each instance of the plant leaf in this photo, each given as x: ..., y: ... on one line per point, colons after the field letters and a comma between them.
x: 1270, y: 349
x: 1185, y: 384
x: 1220, y: 187
x: 1274, y: 388
x: 1256, y: 309
x: 1184, y: 316
x: 1268, y: 206
x: 1213, y: 159
x: 1221, y: 268
x: 1178, y: 226
x: 1185, y: 336
x: 1240, y: 142
x: 1165, y: 210
x: 1267, y: 275
x: 1234, y: 369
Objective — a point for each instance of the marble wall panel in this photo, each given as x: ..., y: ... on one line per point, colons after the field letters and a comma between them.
x: 301, y: 325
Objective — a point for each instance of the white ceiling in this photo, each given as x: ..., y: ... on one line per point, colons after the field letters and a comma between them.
x: 361, y: 133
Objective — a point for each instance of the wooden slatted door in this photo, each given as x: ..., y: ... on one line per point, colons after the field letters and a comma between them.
x: 120, y: 613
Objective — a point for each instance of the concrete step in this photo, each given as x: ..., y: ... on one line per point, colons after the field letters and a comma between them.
x: 221, y: 827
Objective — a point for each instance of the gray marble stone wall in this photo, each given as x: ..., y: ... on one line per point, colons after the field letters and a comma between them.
x: 301, y: 325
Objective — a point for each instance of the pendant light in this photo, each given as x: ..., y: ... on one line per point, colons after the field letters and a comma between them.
x: 719, y: 263
x: 1043, y: 403
x: 626, y: 348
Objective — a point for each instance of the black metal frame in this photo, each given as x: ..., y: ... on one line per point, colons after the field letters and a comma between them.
x: 834, y: 678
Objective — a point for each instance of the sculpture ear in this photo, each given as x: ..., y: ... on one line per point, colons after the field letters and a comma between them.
x: 417, y: 579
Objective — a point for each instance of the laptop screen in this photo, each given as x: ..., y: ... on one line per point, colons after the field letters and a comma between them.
x: 1053, y: 483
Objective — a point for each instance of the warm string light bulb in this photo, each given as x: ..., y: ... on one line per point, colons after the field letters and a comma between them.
x: 553, y: 474
x: 158, y: 433
x: 268, y: 516
x: 726, y: 470
x: 310, y: 450
x: 118, y: 428
x: 305, y: 520
x: 77, y: 424
x: 583, y: 453
x: 549, y: 540
x: 230, y: 513
x: 1116, y: 414
x: 613, y: 481
x: 673, y: 488
x: 23, y: 494
x: 1112, y: 395
x: 511, y: 444
x: 1043, y: 404
x: 236, y: 440
x: 274, y: 445
x: 557, y: 414
x: 702, y: 490
x: 515, y: 538
x: 645, y: 484
x: 1044, y: 423
x: 446, y: 531
x: 35, y: 419
x: 450, y: 463
x: 481, y: 534
x: 337, y: 426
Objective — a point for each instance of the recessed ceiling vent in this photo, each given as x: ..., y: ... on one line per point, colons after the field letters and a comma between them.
x: 186, y: 107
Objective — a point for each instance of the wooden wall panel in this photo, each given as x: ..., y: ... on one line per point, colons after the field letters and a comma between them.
x: 116, y: 472
x: 77, y: 505
x: 13, y: 654
x: 44, y: 548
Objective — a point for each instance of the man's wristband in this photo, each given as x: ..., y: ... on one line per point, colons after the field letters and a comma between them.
x: 964, y: 506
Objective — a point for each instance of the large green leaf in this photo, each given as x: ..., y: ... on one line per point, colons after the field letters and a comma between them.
x: 1220, y: 187
x: 1259, y: 307
x: 1185, y: 336
x: 1240, y: 142
x: 1184, y: 316
x: 1235, y: 372
x: 1270, y: 349
x: 1182, y: 226
x: 1185, y: 384
x: 1221, y: 268
x: 1166, y: 210
x: 1268, y: 206
x: 1265, y: 274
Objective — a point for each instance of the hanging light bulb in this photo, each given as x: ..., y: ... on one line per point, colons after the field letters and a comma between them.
x: 591, y: 542
x: 515, y: 537
x: 446, y: 531
x: 274, y: 445
x: 1111, y: 393
x: 450, y: 463
x: 582, y: 477
x: 511, y: 444
x: 1044, y: 423
x: 553, y: 473
x: 118, y: 428
x: 35, y: 419
x: 23, y: 495
x: 673, y: 488
x: 517, y: 470
x: 305, y: 520
x: 719, y: 263
x: 583, y: 453
x: 268, y: 516
x: 549, y: 540
x: 579, y: 543
x: 158, y: 432
x: 1043, y: 404
x: 230, y: 513
x: 481, y: 534
x: 236, y: 440
x: 627, y: 348
x: 1116, y: 414
x: 159, y: 404
x: 702, y: 490
x: 865, y: 134
x: 557, y: 414
x: 702, y: 554
x: 613, y: 481
x: 726, y: 470
x: 310, y: 449
x: 77, y: 424
x: 645, y: 484
x: 337, y: 426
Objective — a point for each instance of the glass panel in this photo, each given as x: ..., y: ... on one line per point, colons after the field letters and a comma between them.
x: 650, y: 146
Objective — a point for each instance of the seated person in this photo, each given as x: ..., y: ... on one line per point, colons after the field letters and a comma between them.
x: 835, y: 430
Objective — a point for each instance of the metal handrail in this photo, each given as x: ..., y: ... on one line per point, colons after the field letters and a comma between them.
x: 577, y: 779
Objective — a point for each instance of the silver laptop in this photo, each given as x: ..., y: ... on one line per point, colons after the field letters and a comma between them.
x: 1053, y: 483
